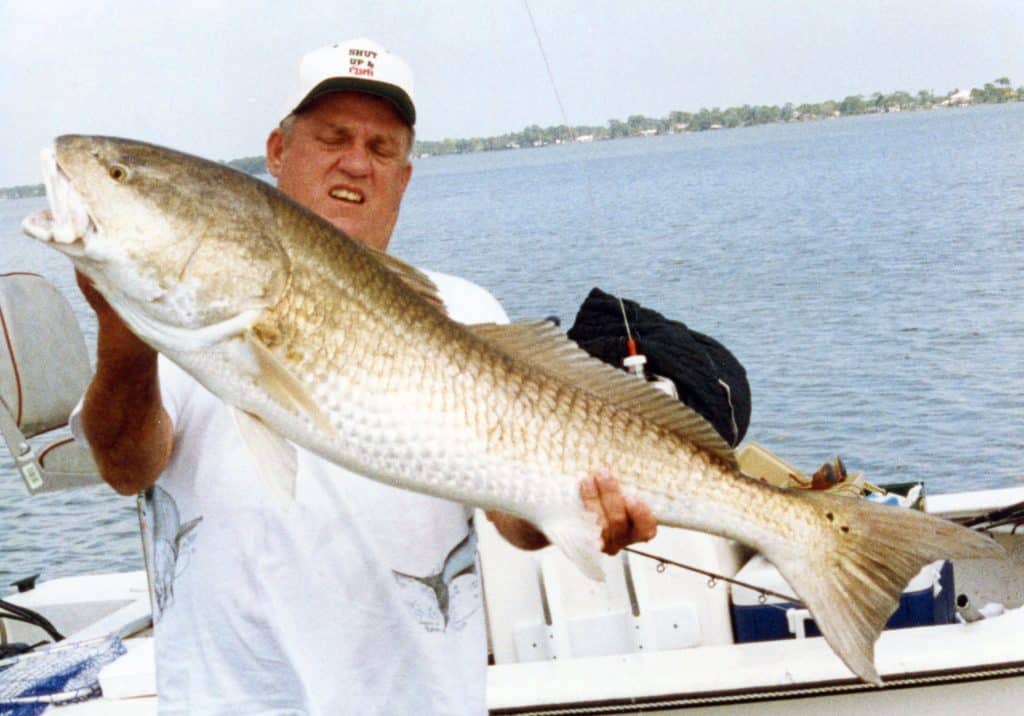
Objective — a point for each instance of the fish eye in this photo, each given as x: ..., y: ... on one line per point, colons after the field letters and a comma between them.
x: 118, y: 172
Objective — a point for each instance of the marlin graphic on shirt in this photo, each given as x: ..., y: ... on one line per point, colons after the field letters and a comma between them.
x: 461, y: 560
x: 172, y: 542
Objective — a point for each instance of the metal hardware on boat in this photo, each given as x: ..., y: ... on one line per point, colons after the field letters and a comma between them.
x: 26, y: 584
x: 29, y: 469
x: 551, y: 596
x: 797, y: 620
x: 967, y: 611
x: 665, y: 385
x: 642, y: 635
x: 634, y: 603
x: 544, y: 606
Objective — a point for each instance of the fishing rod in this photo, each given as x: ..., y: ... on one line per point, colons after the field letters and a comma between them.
x: 714, y: 578
x: 1009, y: 515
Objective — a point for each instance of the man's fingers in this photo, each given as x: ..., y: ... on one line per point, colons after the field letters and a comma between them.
x: 623, y: 520
x: 591, y: 497
x: 618, y: 526
x: 645, y: 524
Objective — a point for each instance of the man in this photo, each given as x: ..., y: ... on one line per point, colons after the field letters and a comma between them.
x: 357, y: 597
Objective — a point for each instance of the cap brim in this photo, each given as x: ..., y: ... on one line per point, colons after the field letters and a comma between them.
x: 398, y: 96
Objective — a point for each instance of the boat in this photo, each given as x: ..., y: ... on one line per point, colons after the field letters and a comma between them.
x: 688, y: 623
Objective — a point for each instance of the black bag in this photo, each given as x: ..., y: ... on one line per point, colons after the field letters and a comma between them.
x: 707, y: 376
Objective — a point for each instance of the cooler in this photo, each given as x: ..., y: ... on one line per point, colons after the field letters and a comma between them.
x: 928, y: 599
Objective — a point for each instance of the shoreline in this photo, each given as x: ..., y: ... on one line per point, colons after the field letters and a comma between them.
x: 637, y: 126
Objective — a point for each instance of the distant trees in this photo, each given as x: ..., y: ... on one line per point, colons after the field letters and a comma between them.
x: 22, y: 191
x: 996, y: 91
x: 999, y: 90
x: 249, y: 165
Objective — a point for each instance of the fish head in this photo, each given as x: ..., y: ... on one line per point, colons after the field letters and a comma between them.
x: 169, y: 239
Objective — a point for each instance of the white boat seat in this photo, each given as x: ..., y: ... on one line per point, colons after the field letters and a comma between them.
x: 541, y: 607
x: 44, y: 369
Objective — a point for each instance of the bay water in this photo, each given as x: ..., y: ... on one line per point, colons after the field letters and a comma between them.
x: 867, y: 271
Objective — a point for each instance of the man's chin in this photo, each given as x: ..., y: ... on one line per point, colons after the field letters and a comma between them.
x: 347, y: 224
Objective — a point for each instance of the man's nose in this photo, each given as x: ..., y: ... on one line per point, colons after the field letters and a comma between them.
x: 354, y: 159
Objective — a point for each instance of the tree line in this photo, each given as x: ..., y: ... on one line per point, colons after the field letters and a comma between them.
x: 998, y: 91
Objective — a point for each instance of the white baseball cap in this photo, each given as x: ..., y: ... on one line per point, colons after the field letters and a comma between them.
x: 356, y: 66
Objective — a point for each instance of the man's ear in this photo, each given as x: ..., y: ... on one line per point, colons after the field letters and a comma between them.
x: 407, y: 176
x: 275, y: 151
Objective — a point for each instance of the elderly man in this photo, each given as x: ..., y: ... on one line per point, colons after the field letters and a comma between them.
x: 332, y: 604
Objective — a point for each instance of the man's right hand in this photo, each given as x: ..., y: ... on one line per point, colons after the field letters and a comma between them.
x: 123, y: 417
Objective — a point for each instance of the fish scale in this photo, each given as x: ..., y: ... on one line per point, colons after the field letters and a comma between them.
x: 318, y: 340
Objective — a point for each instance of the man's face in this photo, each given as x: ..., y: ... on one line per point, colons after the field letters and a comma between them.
x: 346, y: 158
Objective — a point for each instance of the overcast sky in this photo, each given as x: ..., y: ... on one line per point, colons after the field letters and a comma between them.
x: 209, y: 76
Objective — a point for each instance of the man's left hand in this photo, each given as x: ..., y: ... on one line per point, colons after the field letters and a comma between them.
x: 623, y: 520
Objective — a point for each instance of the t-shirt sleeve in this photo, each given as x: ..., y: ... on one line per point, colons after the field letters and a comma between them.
x: 466, y: 302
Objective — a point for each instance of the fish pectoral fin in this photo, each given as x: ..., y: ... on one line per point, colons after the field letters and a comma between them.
x: 276, y: 459
x: 283, y: 387
x: 157, y: 332
x: 579, y: 538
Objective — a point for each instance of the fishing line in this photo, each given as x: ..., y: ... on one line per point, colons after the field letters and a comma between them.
x: 629, y: 333
x: 547, y: 66
x: 558, y: 98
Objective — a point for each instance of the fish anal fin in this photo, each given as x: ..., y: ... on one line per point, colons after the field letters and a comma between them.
x: 852, y: 572
x: 579, y: 539
x: 275, y: 458
x: 547, y: 349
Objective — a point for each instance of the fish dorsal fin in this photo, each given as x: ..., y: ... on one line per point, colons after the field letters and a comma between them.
x: 411, y: 277
x: 543, y: 345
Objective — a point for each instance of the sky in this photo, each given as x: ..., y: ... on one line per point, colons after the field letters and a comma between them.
x: 210, y: 76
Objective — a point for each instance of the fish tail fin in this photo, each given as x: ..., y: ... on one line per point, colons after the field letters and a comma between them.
x: 852, y: 572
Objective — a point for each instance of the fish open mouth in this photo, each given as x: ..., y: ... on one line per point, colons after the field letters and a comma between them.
x: 67, y: 221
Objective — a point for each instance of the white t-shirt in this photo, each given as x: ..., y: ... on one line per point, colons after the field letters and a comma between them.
x: 358, y: 597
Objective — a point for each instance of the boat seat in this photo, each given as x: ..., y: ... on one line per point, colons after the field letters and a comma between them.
x: 44, y: 369
x: 541, y: 607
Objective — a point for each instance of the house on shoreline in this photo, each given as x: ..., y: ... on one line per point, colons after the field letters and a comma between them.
x: 956, y: 98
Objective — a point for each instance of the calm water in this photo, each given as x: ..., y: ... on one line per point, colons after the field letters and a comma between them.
x: 868, y: 272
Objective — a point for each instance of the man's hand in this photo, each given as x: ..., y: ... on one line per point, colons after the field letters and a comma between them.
x: 123, y: 418
x: 623, y: 521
